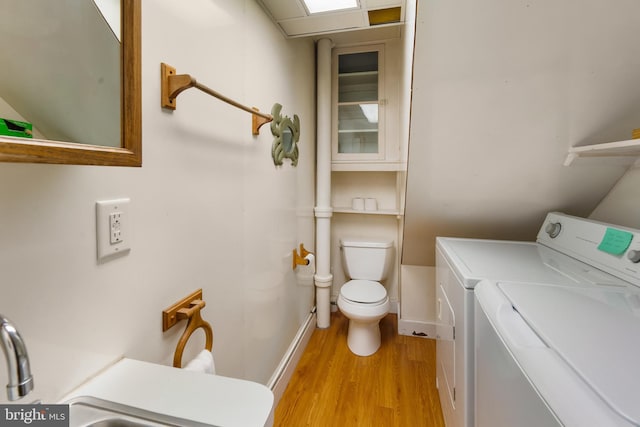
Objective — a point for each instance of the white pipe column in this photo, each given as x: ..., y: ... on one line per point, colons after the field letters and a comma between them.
x: 323, y: 210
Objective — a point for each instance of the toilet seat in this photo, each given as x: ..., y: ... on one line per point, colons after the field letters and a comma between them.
x: 363, y: 292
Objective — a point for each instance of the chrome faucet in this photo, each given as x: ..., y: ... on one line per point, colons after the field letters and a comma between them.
x: 20, y: 378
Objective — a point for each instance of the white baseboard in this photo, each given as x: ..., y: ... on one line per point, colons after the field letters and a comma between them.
x: 417, y: 328
x: 280, y: 378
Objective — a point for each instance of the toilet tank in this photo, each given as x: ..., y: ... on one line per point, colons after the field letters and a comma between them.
x: 366, y: 259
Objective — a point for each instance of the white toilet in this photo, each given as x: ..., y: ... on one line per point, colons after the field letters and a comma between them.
x: 363, y: 300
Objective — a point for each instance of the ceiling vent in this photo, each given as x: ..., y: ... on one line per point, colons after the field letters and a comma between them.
x: 385, y: 16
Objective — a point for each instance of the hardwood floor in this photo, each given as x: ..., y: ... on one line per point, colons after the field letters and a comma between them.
x: 333, y: 387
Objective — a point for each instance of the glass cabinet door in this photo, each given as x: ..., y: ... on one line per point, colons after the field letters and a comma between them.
x: 358, y: 101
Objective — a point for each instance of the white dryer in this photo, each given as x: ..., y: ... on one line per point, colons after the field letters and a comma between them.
x: 556, y: 258
x: 552, y: 356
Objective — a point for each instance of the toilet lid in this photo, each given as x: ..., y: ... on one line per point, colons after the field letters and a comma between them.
x: 363, y: 291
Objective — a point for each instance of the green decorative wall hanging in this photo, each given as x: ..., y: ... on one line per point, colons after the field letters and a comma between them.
x: 286, y: 133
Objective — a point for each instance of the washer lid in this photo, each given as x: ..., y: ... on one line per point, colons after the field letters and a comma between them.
x: 594, y: 330
x: 363, y: 291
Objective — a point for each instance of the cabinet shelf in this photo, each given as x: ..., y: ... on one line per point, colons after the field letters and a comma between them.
x: 358, y: 74
x: 357, y: 130
x: 629, y: 148
x: 358, y: 102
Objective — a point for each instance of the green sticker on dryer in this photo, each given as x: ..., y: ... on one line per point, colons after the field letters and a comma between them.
x: 615, y: 242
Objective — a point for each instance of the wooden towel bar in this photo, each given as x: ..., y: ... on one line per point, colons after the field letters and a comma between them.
x: 173, y: 84
x: 187, y: 308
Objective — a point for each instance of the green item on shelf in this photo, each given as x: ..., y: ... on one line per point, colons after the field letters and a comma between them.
x: 16, y: 128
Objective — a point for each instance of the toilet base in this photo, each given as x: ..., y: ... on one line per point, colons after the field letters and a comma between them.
x: 363, y: 339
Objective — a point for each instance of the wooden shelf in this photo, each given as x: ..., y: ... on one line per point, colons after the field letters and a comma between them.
x: 629, y: 148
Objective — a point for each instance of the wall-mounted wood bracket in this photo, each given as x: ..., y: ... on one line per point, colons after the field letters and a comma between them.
x: 171, y: 315
x: 258, y: 120
x: 172, y: 84
x: 187, y: 308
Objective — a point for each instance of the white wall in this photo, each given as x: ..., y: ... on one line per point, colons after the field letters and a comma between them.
x: 406, y: 79
x: 417, y: 294
x: 208, y: 210
x: 622, y: 205
x: 501, y: 90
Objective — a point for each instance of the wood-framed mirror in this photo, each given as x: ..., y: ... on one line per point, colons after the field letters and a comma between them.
x: 127, y: 151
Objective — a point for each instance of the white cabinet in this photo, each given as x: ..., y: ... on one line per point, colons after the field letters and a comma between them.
x: 366, y: 159
x: 359, y: 88
x: 361, y: 138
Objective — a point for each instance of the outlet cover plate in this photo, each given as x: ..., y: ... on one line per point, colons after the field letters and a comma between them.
x: 106, y: 211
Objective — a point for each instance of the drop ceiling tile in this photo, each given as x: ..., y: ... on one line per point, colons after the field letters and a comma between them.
x: 380, y: 4
x: 284, y: 9
x: 324, y: 23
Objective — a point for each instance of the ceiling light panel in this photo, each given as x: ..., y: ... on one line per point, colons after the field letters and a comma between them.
x: 319, y: 6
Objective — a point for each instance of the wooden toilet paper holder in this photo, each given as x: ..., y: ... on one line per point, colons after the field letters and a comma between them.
x: 299, y: 259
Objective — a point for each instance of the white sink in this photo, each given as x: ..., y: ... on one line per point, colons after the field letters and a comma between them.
x: 132, y: 392
x: 91, y: 412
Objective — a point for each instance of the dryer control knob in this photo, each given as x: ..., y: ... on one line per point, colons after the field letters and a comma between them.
x: 553, y: 229
x: 634, y: 256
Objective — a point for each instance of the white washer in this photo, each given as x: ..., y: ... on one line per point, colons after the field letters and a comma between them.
x: 566, y: 259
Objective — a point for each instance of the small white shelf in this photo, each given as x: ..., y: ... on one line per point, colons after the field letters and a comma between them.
x: 371, y: 166
x: 376, y: 212
x: 629, y: 148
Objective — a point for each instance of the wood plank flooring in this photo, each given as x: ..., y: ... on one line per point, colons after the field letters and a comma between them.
x: 333, y: 387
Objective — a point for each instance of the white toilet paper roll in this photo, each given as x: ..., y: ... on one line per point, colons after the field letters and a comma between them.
x: 305, y: 273
x: 370, y: 204
x: 357, y: 204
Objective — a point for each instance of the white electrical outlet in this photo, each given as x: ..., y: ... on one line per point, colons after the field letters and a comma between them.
x: 112, y: 225
x: 115, y: 227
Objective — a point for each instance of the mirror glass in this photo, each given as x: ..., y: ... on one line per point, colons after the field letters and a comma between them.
x: 61, y: 69
x: 286, y: 133
x: 70, y: 73
x: 287, y: 139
